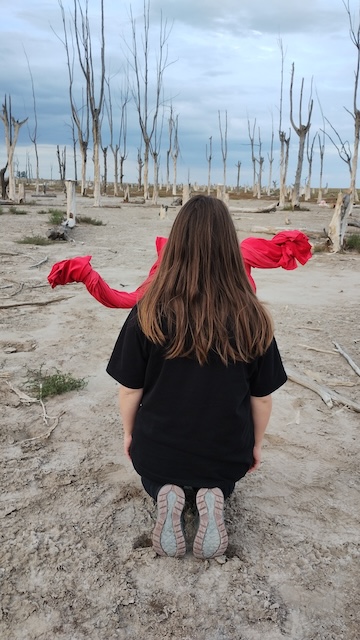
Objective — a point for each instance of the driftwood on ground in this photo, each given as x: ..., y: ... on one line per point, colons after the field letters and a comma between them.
x: 40, y: 303
x: 347, y: 358
x: 327, y: 395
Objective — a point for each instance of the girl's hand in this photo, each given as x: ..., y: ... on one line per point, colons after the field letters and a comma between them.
x: 256, y: 458
x: 127, y: 445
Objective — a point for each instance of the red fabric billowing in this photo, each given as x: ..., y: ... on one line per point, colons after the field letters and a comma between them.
x: 283, y: 250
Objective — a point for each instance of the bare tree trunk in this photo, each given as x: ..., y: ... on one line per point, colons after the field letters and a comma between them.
x: 175, y: 150
x: 209, y: 158
x: 271, y: 158
x: 146, y: 173
x: 339, y: 221
x: 62, y: 163
x: 355, y: 39
x: 4, y: 182
x: 104, y: 150
x: 301, y: 131
x: 12, y: 128
x: 96, y: 160
x: 140, y: 167
x: 253, y: 158
x: 310, y: 155
x: 238, y: 166
x: 33, y: 136
x: 70, y: 202
x: 284, y: 140
x: 156, y: 179
x: 223, y: 143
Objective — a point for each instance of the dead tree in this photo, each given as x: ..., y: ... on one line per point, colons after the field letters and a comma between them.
x: 223, y: 143
x: 260, y: 161
x: 342, y: 146
x: 209, y: 159
x: 238, y: 167
x: 104, y: 180
x: 310, y: 157
x: 253, y: 157
x: 355, y: 39
x: 169, y: 149
x: 33, y: 135
x: 61, y: 157
x: 339, y: 221
x: 321, y: 141
x: 12, y: 128
x: 283, y: 137
x: 85, y: 57
x: 80, y: 115
x: 148, y: 113
x: 301, y: 131
x: 119, y: 149
x: 140, y: 163
x: 175, y: 150
x: 271, y: 157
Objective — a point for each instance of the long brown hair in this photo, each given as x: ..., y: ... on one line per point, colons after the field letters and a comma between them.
x: 200, y: 299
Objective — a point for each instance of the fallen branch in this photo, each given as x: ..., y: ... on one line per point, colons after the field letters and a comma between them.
x: 347, y: 358
x: 20, y: 394
x: 34, y: 304
x: 306, y: 346
x: 354, y: 223
x: 47, y: 434
x: 327, y: 395
x: 14, y: 293
x: 32, y: 266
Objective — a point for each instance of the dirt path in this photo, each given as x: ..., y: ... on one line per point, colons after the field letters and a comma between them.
x: 75, y: 556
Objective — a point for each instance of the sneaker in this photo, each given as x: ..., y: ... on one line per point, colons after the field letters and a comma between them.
x: 168, y: 536
x: 211, y: 539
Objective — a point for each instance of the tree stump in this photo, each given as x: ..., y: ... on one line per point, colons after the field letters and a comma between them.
x: 70, y: 203
x: 186, y: 193
x: 338, y: 224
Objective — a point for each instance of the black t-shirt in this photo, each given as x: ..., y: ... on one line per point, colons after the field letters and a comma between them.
x: 194, y: 425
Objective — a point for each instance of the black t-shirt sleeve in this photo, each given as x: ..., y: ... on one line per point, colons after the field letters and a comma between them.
x: 268, y: 373
x: 129, y: 358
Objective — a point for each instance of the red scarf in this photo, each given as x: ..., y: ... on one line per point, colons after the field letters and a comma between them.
x: 283, y: 250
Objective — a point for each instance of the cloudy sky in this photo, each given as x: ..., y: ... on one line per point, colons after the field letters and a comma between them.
x: 223, y: 56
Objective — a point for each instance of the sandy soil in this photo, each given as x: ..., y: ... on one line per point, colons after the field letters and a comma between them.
x: 76, y: 560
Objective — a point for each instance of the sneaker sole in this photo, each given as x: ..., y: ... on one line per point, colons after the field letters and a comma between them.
x: 211, y: 539
x: 168, y: 537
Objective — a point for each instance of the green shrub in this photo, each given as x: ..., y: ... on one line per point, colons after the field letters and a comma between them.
x: 45, y: 384
x: 353, y: 242
x: 38, y: 240
x: 56, y: 216
x: 17, y: 212
x: 89, y: 220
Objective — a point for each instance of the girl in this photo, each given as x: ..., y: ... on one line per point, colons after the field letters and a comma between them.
x: 197, y: 362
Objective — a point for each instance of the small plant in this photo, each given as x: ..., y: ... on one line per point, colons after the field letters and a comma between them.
x: 89, y: 220
x: 17, y: 212
x: 38, y: 240
x: 1, y: 211
x: 42, y: 212
x: 56, y: 216
x: 44, y: 384
x: 353, y: 242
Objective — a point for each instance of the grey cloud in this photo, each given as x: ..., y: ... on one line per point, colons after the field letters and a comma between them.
x: 243, y: 16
